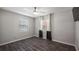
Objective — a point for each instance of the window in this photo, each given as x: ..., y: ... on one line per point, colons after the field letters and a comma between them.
x: 45, y: 23
x: 23, y: 25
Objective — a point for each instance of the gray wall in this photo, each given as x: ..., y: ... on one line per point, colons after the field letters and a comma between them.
x: 9, y: 27
x: 37, y: 26
x: 64, y: 27
x: 62, y: 24
x: 77, y: 34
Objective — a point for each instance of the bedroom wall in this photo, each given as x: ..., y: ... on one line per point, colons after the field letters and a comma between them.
x: 9, y: 27
x: 64, y: 30
x: 37, y: 26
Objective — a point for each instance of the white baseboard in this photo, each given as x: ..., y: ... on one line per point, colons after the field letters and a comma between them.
x: 64, y: 43
x: 76, y: 48
x: 36, y: 36
x: 14, y: 41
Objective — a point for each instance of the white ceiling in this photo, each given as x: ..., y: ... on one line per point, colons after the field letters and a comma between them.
x: 28, y: 11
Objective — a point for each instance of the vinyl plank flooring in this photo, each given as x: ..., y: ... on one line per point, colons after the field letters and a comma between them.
x: 36, y: 44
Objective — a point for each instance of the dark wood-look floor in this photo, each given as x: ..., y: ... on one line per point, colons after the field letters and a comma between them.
x: 36, y: 44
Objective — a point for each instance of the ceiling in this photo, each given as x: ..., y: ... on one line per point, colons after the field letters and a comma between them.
x: 28, y: 11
